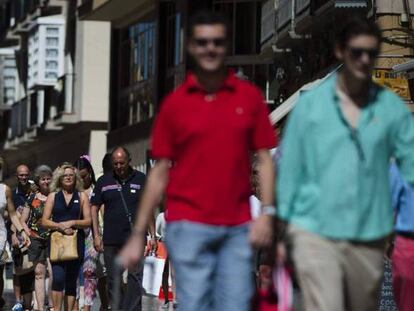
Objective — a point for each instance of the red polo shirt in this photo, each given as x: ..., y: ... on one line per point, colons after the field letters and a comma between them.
x: 210, y: 138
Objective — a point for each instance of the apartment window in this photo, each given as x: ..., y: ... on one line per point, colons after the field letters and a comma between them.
x: 51, y: 65
x: 136, y: 59
x: 174, y: 29
x: 52, y: 41
x: 52, y: 53
x: 52, y: 31
x: 244, y: 18
x: 137, y: 53
x: 51, y: 75
x: 9, y: 81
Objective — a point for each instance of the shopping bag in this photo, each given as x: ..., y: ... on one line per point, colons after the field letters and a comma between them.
x: 153, y: 269
x: 284, y: 288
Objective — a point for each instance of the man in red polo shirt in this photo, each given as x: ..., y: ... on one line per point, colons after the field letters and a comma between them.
x: 203, y: 139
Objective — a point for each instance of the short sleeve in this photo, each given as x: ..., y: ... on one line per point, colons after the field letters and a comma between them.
x: 264, y: 136
x: 162, y: 146
x: 96, y: 195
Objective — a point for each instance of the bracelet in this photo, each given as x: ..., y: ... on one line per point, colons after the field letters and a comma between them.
x: 269, y: 210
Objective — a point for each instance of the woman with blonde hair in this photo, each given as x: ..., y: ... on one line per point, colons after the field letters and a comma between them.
x: 67, y: 210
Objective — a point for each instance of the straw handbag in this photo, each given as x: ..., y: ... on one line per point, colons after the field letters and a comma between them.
x: 63, y: 247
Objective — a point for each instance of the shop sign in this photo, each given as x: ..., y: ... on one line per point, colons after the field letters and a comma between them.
x: 397, y: 82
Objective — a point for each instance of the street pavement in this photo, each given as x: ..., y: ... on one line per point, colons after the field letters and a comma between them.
x: 386, y: 301
x: 148, y: 303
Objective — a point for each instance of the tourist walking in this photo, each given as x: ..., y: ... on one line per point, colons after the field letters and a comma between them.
x: 31, y: 220
x: 333, y: 179
x: 203, y: 138
x: 120, y: 192
x: 67, y: 211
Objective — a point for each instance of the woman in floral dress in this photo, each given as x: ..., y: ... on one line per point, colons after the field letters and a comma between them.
x: 31, y: 220
x: 93, y: 269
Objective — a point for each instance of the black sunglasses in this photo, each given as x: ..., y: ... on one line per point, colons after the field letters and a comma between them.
x: 218, y: 42
x: 356, y: 53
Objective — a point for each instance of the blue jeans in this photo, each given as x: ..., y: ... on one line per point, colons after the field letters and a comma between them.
x: 213, y: 266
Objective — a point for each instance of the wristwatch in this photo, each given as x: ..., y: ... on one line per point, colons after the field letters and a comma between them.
x: 269, y: 210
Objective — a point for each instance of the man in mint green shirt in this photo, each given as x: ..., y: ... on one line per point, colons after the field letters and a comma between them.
x: 333, y: 183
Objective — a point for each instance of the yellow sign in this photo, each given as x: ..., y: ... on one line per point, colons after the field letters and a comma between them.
x: 398, y: 83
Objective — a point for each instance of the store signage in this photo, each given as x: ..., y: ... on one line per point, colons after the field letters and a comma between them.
x: 397, y: 82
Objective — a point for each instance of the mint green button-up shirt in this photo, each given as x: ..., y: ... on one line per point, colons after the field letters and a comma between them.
x: 334, y: 180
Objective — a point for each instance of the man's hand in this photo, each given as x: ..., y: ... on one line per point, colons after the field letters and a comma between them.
x: 133, y: 251
x: 15, y: 241
x: 97, y: 243
x: 261, y: 232
x: 25, y: 238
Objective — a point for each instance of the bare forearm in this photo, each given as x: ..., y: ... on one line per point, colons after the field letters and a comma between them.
x: 16, y: 222
x: 151, y: 227
x: 82, y: 224
x: 95, y: 220
x: 49, y: 224
x: 266, y: 178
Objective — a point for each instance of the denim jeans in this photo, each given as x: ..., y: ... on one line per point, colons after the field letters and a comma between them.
x: 213, y: 266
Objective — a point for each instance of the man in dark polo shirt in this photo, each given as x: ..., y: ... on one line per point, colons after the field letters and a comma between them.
x: 203, y: 139
x: 119, y: 191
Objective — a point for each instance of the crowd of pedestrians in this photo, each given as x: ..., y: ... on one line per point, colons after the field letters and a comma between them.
x: 346, y: 141
x: 70, y: 201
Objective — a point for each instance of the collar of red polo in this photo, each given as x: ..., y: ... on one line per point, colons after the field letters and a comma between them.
x: 192, y: 84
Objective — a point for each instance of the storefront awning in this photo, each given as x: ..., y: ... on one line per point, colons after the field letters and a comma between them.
x: 404, y: 67
x: 281, y: 111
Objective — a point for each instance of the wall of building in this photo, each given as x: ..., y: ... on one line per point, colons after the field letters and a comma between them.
x: 92, y: 70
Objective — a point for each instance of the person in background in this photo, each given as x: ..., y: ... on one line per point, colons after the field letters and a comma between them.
x: 66, y: 210
x: 7, y: 205
x: 333, y: 178
x: 31, y: 220
x: 93, y: 270
x: 22, y: 282
x: 403, y: 251
x: 119, y: 191
x: 203, y: 138
x: 160, y: 226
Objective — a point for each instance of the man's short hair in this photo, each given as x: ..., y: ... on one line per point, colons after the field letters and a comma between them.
x: 357, y: 26
x: 206, y: 17
x: 128, y: 154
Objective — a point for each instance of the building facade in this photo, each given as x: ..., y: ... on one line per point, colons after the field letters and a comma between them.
x: 303, y: 37
x: 148, y: 58
x: 54, y: 91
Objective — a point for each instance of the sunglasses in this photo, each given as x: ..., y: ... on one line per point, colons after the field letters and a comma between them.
x: 217, y: 42
x: 356, y: 53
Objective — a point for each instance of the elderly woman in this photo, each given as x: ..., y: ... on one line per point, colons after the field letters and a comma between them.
x: 31, y: 220
x: 68, y: 206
